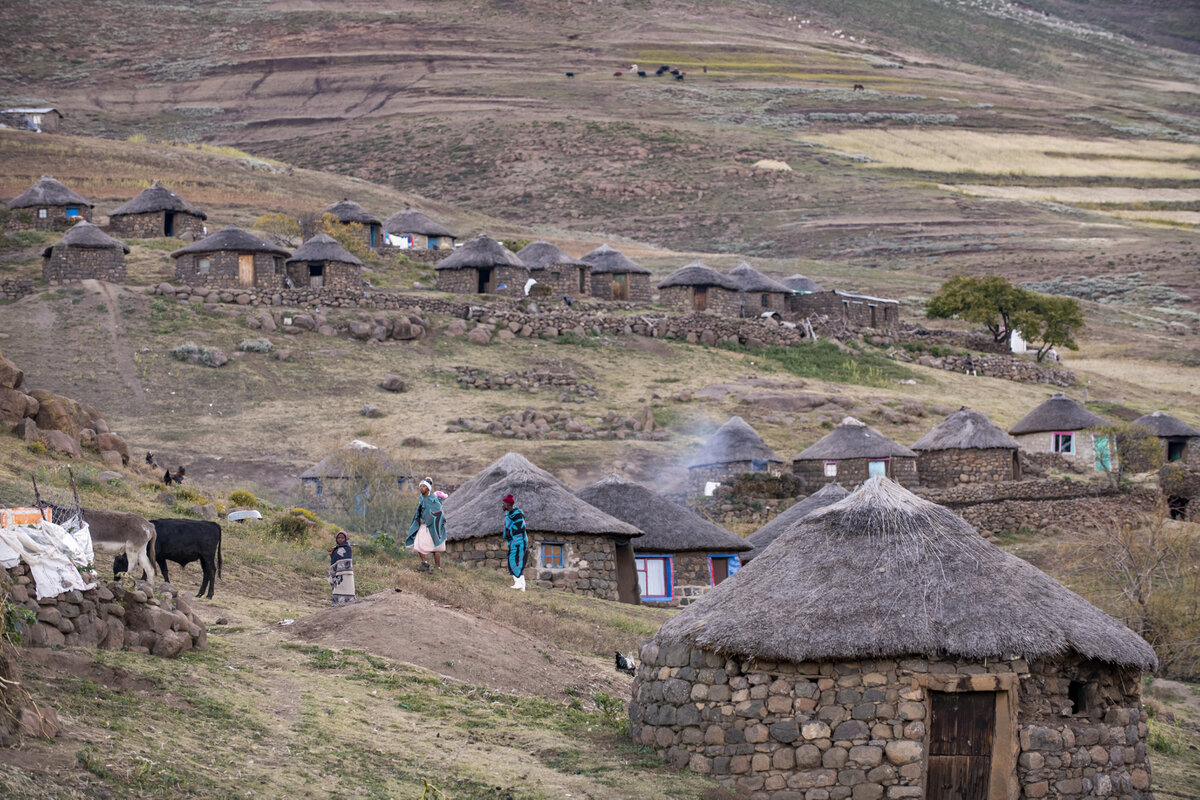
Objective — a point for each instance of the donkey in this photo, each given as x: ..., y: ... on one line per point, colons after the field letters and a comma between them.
x: 119, y: 533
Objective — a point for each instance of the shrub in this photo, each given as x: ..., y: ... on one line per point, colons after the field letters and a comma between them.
x: 37, y: 448
x: 240, y: 497
x: 260, y: 345
x: 293, y: 527
x: 305, y: 513
x: 190, y: 496
x: 185, y: 351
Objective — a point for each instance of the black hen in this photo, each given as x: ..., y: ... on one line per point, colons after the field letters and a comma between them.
x: 624, y: 664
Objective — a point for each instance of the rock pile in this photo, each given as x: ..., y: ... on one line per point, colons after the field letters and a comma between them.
x: 15, y: 288
x: 551, y: 423
x: 557, y: 377
x: 404, y: 327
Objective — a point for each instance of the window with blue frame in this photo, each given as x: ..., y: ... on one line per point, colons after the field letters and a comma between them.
x: 552, y: 555
x: 72, y: 211
x: 655, y: 578
x: 721, y: 566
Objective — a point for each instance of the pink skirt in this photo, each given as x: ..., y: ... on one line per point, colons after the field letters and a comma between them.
x: 424, y: 542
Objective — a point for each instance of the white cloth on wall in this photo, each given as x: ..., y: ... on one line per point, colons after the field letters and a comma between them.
x: 53, y: 553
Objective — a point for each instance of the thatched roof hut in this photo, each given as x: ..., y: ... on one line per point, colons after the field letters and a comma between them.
x: 967, y: 447
x: 84, y: 252
x: 606, y: 259
x: 348, y: 211
x: 616, y: 277
x: 483, y: 481
x: 1059, y: 413
x: 323, y: 247
x: 966, y: 429
x: 548, y: 264
x: 231, y: 239
x: 799, y: 283
x: 542, y: 255
x: 482, y: 266
x: 751, y: 280
x: 853, y: 452
x: 411, y: 221
x: 827, y: 495
x: 157, y: 211
x: 734, y: 442
x: 85, y: 235
x: 353, y: 459
x: 322, y: 262
x: 698, y: 273
x: 1164, y: 425
x: 156, y: 198
x: 231, y: 259
x: 48, y: 192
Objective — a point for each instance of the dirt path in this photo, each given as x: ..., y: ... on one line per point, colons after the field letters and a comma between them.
x: 122, y: 355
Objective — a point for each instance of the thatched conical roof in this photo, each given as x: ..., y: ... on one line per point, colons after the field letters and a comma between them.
x: 698, y: 274
x: 548, y: 505
x: 231, y: 238
x: 668, y: 528
x: 606, y: 259
x: 412, y: 221
x: 751, y: 280
x: 966, y: 429
x: 343, y: 463
x: 854, y: 439
x: 481, y: 252
x: 492, y: 474
x: 827, y: 495
x: 48, y: 192
x: 541, y: 255
x: 799, y: 283
x: 85, y: 234
x: 156, y: 198
x: 734, y: 441
x: 885, y: 574
x: 323, y: 247
x: 1059, y: 413
x: 1164, y: 424
x: 349, y: 211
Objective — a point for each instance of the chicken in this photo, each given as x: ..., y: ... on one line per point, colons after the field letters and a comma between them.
x: 625, y: 664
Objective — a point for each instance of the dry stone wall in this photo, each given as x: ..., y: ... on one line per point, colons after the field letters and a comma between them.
x: 66, y: 263
x: 953, y: 467
x: 590, y: 565
x: 853, y: 471
x: 726, y: 473
x: 222, y: 271
x: 337, y: 275
x: 15, y: 288
x: 152, y: 225
x: 848, y: 311
x: 56, y: 218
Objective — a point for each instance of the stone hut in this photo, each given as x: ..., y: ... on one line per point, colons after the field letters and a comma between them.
x: 616, y: 277
x: 827, y: 495
x: 230, y: 259
x: 411, y: 229
x: 761, y: 295
x: 682, y: 555
x: 348, y: 212
x: 44, y: 119
x: 697, y: 287
x: 482, y: 482
x: 322, y: 262
x: 801, y: 285
x: 852, y: 310
x: 566, y: 275
x: 853, y: 452
x: 573, y: 546
x: 1181, y: 442
x: 157, y: 211
x: 882, y: 648
x: 735, y: 448
x: 967, y: 447
x: 1061, y: 425
x: 50, y: 206
x: 358, y: 464
x: 84, y: 252
x: 482, y: 266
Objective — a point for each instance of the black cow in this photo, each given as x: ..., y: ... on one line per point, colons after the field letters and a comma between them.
x: 184, y: 541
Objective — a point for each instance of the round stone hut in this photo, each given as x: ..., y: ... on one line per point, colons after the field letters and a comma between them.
x: 564, y: 274
x: 230, y: 259
x: 482, y: 482
x: 761, y: 295
x: 827, y: 495
x: 49, y: 205
x: 349, y: 212
x: 157, y: 211
x: 883, y: 649
x: 682, y: 555
x: 482, y: 266
x: 573, y: 546
x: 802, y: 285
x: 617, y: 277
x: 322, y: 262
x: 734, y: 449
x: 409, y: 229
x: 967, y: 447
x: 698, y: 287
x: 1181, y: 442
x: 1061, y: 425
x: 853, y: 452
x: 84, y: 252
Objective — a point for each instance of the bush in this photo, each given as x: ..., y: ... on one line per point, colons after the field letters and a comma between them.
x: 293, y: 527
x: 304, y: 512
x: 240, y: 497
x: 255, y: 346
x: 190, y: 351
x: 185, y: 351
x: 190, y: 496
x: 37, y: 448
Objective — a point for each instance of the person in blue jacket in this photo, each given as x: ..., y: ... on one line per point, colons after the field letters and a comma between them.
x: 518, y: 541
x: 427, y: 533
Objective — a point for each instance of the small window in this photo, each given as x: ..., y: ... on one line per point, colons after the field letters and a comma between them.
x: 277, y: 263
x: 203, y: 266
x: 758, y: 465
x: 42, y: 213
x: 72, y: 211
x: 877, y: 468
x: 1063, y: 443
x: 766, y: 301
x: 654, y: 578
x: 555, y: 276
x: 830, y: 469
x: 1077, y: 694
x: 552, y: 555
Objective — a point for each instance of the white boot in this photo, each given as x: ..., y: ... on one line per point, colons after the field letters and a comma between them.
x: 520, y: 583
x: 516, y: 583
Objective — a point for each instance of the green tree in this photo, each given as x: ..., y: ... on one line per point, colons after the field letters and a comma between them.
x: 1051, y: 320
x: 992, y: 302
x: 280, y: 228
x: 348, y: 234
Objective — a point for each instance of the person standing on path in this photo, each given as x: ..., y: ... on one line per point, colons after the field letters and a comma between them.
x: 427, y: 533
x: 518, y: 541
x: 341, y: 570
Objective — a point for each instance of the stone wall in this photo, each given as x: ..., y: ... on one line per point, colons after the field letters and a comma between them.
x: 853, y: 471
x: 850, y: 311
x: 1085, y: 451
x: 335, y: 275
x: 152, y: 225
x: 565, y: 279
x: 56, y: 218
x: 590, y: 561
x: 859, y: 729
x: 952, y: 467
x: 223, y: 270
x: 66, y: 263
x: 466, y: 281
x: 637, y: 283
x: 725, y: 473
x: 722, y: 302
x: 15, y: 288
x: 1007, y: 366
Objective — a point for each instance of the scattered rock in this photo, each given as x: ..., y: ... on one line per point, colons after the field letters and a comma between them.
x: 206, y: 511
x: 371, y: 412
x: 109, y: 475
x: 480, y: 336
x: 392, y: 383
x: 61, y: 442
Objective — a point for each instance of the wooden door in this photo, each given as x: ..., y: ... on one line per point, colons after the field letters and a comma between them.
x: 168, y: 223
x: 627, y: 576
x: 720, y: 568
x: 620, y: 286
x: 700, y: 298
x: 245, y: 269
x: 961, y: 731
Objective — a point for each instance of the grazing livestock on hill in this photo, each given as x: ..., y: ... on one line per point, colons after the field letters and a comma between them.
x: 184, y: 541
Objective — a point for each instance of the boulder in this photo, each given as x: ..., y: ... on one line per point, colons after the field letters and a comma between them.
x: 111, y: 441
x: 112, y: 458
x: 59, y: 413
x: 371, y: 412
x: 284, y: 354
x: 480, y: 336
x: 206, y: 511
x: 27, y: 429
x: 166, y: 289
x: 403, y: 328
x: 40, y: 722
x: 87, y: 437
x: 456, y: 328
x: 10, y: 376
x: 267, y: 322
x: 109, y: 475
x: 15, y: 406
x: 360, y: 330
x: 392, y: 383
x: 61, y: 442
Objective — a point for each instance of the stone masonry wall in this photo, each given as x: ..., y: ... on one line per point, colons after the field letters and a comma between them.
x: 1085, y: 452
x: 853, y: 471
x: 568, y: 281
x: 638, y: 284
x: 223, y: 270
x: 690, y: 574
x: 725, y: 473
x: 466, y: 281
x: 850, y: 311
x: 717, y: 300
x: 67, y: 263
x: 590, y: 566
x: 56, y: 218
x: 15, y: 288
x: 151, y: 225
x: 952, y: 467
x: 336, y: 275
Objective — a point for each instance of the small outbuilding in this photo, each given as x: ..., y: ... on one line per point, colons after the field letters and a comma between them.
x: 42, y: 119
x: 482, y: 482
x: 853, y: 452
x: 231, y: 259
x: 734, y: 449
x: 565, y: 275
x: 410, y: 229
x: 84, y: 252
x: 697, y: 287
x: 682, y: 555
x: 882, y: 648
x: 760, y: 294
x: 616, y: 277
x: 573, y: 546
x: 350, y: 476
x: 157, y: 211
x: 1181, y: 442
x: 482, y: 266
x: 852, y: 310
x: 967, y: 447
x: 49, y: 205
x: 827, y: 495
x: 349, y: 212
x: 323, y: 263
x: 800, y: 284
x: 1061, y: 425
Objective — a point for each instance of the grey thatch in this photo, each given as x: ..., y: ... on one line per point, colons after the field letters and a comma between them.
x: 885, y: 574
x: 349, y: 211
x: 1059, y: 413
x: 828, y: 494
x: 85, y: 234
x: 1164, y: 424
x: 668, y: 528
x: 541, y: 255
x: 966, y: 429
x: 481, y: 252
x: 489, y: 476
x: 156, y: 198
x: 353, y: 457
x: 231, y: 238
x: 48, y: 192
x: 854, y: 439
x: 323, y: 247
x: 751, y: 280
x: 734, y: 441
x: 411, y: 221
x: 605, y: 259
x: 799, y: 283
x: 698, y: 274
x: 548, y: 505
